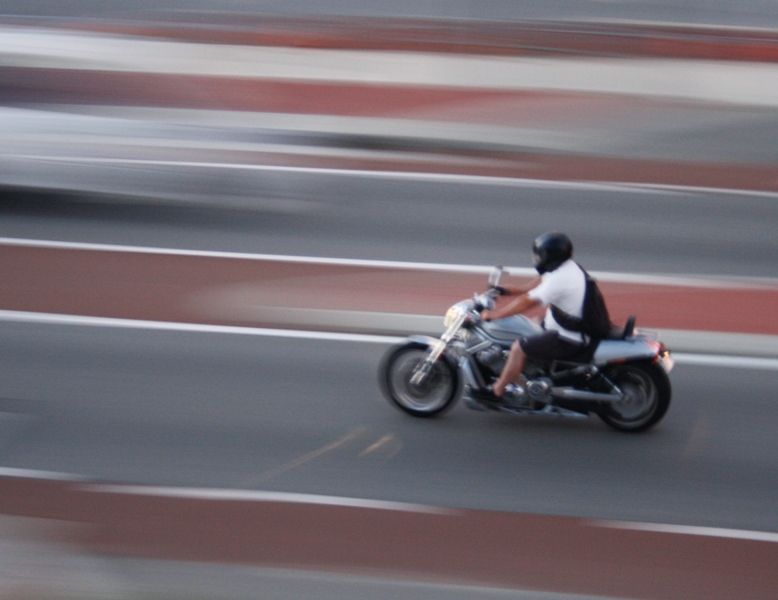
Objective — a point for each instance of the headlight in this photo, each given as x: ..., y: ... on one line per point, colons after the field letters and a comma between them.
x: 452, y: 315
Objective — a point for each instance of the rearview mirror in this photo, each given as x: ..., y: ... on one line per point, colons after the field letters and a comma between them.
x: 495, y: 276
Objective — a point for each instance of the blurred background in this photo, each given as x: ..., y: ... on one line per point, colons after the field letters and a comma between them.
x: 216, y: 216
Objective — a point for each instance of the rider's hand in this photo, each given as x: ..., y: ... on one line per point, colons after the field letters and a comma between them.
x: 501, y: 291
x: 486, y: 315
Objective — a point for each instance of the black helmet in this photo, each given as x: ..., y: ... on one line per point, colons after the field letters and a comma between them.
x: 550, y: 250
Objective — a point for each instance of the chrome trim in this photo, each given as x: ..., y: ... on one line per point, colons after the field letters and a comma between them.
x: 467, y: 372
x: 482, y: 345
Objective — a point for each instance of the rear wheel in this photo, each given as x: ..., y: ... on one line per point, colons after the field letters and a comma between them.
x: 646, y: 390
x: 432, y: 396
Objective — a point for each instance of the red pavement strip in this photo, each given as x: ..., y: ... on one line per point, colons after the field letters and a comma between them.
x: 487, y: 38
x: 176, y: 288
x: 87, y: 87
x: 515, y: 550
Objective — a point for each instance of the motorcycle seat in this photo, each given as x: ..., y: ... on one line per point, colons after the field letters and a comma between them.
x: 586, y: 353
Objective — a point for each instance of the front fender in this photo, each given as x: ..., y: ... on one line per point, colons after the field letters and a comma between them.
x: 428, y: 341
x: 424, y: 340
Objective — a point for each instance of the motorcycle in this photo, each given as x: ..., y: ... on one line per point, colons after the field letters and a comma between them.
x: 622, y: 379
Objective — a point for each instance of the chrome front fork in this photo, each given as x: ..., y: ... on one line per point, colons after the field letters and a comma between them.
x: 423, y: 369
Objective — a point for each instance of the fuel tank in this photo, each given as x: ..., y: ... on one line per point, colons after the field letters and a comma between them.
x: 510, y: 328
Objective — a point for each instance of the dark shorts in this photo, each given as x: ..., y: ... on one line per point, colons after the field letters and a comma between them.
x: 548, y: 346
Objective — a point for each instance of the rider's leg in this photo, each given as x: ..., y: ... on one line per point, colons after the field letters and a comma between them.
x: 511, y: 373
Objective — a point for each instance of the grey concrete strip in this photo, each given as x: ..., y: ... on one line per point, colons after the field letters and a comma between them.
x: 172, y: 579
x: 749, y: 84
x: 41, y: 559
x: 713, y: 342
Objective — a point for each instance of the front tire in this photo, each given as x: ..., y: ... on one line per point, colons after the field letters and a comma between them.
x: 436, y: 394
x: 647, y: 392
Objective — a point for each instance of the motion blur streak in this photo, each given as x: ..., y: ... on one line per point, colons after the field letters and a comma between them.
x: 254, y: 197
x: 664, y: 105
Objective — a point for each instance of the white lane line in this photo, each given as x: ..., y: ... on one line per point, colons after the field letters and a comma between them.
x: 717, y: 532
x: 743, y: 362
x: 262, y: 496
x: 699, y: 189
x: 383, y: 174
x: 633, y: 187
x: 349, y: 262
x: 60, y: 319
x: 35, y: 474
x: 668, y: 280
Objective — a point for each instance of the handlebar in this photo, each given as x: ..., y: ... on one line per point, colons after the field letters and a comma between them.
x: 485, y: 299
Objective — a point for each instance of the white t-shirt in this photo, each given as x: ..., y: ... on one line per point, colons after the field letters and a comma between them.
x: 564, y: 287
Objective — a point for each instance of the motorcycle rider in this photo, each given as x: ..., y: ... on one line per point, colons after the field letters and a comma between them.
x: 561, y: 283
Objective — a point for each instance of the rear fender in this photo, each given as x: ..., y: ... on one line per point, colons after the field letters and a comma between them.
x: 631, y: 349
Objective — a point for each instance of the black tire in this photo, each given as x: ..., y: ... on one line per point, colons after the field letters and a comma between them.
x: 647, y: 390
x: 437, y: 394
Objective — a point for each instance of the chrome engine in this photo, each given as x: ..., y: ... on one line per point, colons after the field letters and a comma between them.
x: 493, y: 358
x: 539, y: 390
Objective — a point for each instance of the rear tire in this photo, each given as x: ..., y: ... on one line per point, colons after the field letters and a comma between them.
x: 434, y: 396
x: 647, y: 397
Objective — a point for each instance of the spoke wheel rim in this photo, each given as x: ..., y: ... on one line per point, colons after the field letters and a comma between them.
x: 433, y: 393
x: 641, y: 397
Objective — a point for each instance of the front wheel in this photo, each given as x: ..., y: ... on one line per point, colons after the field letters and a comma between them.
x: 646, y: 390
x: 432, y: 396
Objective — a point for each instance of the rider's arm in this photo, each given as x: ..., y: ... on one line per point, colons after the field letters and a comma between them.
x: 519, y: 290
x: 514, y: 307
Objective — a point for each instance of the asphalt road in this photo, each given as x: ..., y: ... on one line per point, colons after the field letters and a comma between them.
x: 264, y: 413
x: 306, y: 416
x: 755, y: 13
x: 446, y: 221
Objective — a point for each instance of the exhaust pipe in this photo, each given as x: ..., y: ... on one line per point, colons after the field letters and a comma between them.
x: 563, y: 393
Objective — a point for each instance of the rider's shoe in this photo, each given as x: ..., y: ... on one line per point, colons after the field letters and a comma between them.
x: 474, y: 404
x: 477, y: 400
